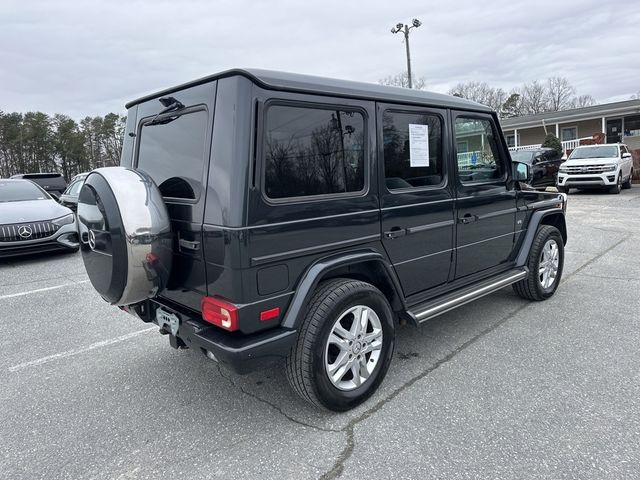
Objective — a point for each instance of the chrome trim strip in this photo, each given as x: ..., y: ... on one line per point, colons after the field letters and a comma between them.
x: 452, y: 303
x: 418, y: 204
x: 301, y: 220
x: 545, y: 203
x: 486, y: 240
x: 310, y: 250
x: 423, y: 256
x: 430, y: 226
x: 497, y: 213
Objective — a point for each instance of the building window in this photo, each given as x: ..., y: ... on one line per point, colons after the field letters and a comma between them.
x: 632, y: 126
x: 568, y: 133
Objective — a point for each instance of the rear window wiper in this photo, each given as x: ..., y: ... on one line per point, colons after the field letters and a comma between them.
x: 171, y: 104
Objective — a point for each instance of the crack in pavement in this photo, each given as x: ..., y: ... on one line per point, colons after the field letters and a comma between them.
x: 338, y: 466
x: 282, y: 412
x: 346, y: 453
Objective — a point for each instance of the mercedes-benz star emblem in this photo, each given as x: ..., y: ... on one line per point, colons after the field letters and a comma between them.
x: 92, y: 240
x: 24, y: 231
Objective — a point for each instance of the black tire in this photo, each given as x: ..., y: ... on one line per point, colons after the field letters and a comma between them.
x: 305, y: 366
x: 617, y: 188
x: 627, y: 184
x: 531, y: 287
x: 563, y: 190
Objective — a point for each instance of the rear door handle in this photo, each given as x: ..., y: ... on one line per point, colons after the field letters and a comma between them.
x: 468, y: 218
x: 395, y: 232
x: 188, y: 245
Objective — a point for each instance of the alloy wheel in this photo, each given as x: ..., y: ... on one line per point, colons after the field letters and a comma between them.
x: 353, y: 348
x: 549, y: 263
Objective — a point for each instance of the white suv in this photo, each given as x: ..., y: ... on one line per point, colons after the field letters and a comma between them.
x: 597, y: 166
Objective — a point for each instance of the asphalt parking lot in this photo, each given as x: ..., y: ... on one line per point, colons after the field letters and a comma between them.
x: 501, y: 388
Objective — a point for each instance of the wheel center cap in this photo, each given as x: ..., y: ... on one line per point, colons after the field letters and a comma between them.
x: 356, y: 347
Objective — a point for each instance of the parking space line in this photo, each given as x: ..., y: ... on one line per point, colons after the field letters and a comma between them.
x: 46, y: 289
x: 77, y: 351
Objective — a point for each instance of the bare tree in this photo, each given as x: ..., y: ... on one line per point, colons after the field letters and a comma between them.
x: 534, y: 98
x: 402, y: 80
x: 583, y: 101
x: 560, y: 93
x: 480, y: 92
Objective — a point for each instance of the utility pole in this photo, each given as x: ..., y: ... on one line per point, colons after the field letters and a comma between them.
x: 405, y: 29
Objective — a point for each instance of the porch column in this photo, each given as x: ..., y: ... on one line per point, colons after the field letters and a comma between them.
x: 557, y: 130
x: 604, y: 128
x: 515, y: 137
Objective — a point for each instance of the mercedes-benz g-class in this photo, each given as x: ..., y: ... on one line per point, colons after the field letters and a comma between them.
x: 262, y: 216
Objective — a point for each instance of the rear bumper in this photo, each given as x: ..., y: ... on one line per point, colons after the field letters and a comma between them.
x: 242, y: 353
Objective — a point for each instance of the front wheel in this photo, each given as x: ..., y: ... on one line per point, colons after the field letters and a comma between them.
x: 562, y: 189
x: 627, y: 184
x: 617, y: 188
x: 545, y: 263
x: 344, y: 346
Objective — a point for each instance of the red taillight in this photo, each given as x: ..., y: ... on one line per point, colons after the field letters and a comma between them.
x: 269, y: 314
x: 220, y: 313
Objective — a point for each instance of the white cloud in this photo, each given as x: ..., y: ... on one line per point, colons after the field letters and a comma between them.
x: 90, y: 57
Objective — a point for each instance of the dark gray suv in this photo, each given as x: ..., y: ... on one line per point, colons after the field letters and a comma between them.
x: 263, y: 216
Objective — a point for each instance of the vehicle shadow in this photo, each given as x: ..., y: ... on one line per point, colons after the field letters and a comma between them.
x: 417, y: 352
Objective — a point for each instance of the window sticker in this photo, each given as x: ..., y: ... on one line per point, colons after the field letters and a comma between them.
x: 418, y: 145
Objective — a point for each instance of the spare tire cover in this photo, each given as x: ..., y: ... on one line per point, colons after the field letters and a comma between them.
x: 125, y: 235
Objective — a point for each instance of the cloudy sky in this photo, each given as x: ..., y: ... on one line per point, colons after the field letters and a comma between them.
x: 88, y: 57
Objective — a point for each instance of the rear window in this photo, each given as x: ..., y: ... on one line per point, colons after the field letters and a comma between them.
x: 32, y: 176
x: 172, y: 153
x: 20, y: 192
x: 522, y: 156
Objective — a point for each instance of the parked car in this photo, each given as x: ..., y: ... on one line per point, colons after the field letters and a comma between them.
x: 53, y: 183
x: 31, y: 221
x: 69, y: 197
x: 261, y: 216
x: 608, y: 166
x: 544, y: 162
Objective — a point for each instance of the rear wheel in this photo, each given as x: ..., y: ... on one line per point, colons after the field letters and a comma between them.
x: 344, y: 346
x: 627, y: 184
x: 545, y: 263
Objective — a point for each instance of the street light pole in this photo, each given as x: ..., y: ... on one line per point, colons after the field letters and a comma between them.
x: 405, y: 29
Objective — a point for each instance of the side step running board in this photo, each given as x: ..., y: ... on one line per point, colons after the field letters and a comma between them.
x: 432, y: 308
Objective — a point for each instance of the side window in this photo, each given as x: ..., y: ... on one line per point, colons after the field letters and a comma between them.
x: 481, y: 161
x: 313, y: 151
x: 412, y: 150
x: 74, y: 188
x: 623, y: 150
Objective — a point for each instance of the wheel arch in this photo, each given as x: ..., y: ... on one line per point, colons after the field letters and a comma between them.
x: 366, y: 265
x: 553, y: 217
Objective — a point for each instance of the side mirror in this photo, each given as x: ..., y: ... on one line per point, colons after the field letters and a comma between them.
x: 626, y: 155
x: 521, y: 172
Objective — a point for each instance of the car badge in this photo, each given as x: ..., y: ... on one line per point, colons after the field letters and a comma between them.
x: 24, y: 231
x: 92, y: 240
